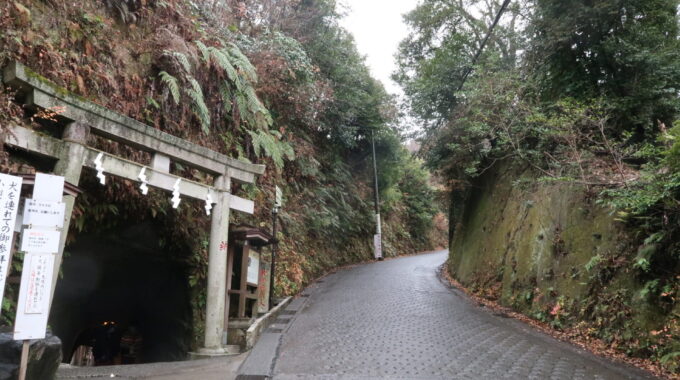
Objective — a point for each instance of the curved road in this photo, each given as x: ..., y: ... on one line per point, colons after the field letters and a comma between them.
x: 395, y: 320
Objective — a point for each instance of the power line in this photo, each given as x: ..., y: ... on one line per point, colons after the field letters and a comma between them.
x: 486, y: 38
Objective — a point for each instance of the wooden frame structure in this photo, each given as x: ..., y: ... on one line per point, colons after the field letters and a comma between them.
x: 250, y: 237
x: 71, y: 152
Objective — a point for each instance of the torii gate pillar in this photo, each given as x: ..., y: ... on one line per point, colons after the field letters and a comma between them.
x: 217, y: 269
x: 70, y: 166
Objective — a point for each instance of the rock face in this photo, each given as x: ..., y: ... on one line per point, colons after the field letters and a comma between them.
x: 545, y: 247
x: 43, y: 360
x: 529, y: 237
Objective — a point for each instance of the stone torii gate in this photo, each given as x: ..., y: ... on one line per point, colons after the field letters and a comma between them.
x: 72, y: 153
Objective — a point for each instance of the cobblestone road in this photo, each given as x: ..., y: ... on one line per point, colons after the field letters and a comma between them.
x: 396, y: 320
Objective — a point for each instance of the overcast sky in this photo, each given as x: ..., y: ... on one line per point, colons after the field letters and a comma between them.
x: 378, y: 27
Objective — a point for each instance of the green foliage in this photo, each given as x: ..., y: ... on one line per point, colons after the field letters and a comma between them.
x: 650, y: 205
x: 359, y: 102
x: 200, y: 108
x: 270, y: 145
x: 671, y: 360
x: 236, y: 88
x: 626, y: 51
x: 172, y: 84
x: 181, y: 58
x: 205, y: 53
x: 593, y: 263
x: 499, y: 120
x: 419, y: 198
x: 127, y: 11
x: 221, y: 58
x: 642, y: 264
x: 335, y: 211
x: 445, y: 36
x: 292, y: 51
x: 650, y: 288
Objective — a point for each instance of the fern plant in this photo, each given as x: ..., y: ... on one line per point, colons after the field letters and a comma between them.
x: 237, y: 80
x: 172, y: 84
x: 199, y: 106
x: 194, y: 91
x: 238, y: 88
x: 270, y: 144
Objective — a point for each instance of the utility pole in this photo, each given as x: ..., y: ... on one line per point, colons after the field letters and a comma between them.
x: 377, y: 239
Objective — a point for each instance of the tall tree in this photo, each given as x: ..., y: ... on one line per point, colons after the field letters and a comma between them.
x: 445, y: 36
x: 626, y: 51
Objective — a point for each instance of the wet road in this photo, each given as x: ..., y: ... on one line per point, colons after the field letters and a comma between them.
x: 396, y: 320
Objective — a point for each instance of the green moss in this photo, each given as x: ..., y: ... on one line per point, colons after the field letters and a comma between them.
x: 57, y: 90
x: 537, y: 242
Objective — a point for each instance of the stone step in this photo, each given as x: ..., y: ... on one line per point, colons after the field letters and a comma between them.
x: 232, y: 349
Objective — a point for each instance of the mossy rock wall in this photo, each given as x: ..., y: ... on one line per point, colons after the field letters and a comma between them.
x: 533, y: 244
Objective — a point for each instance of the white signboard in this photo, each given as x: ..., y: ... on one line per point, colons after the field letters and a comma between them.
x: 44, y: 213
x: 48, y: 187
x: 41, y: 246
x: 377, y: 246
x: 36, y: 289
x: 253, y: 267
x: 279, y: 197
x: 10, y: 191
x: 34, y: 296
x: 37, y: 240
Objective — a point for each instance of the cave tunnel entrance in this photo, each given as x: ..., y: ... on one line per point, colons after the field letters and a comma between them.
x: 123, y: 299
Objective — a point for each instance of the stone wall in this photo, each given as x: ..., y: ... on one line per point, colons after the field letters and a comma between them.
x: 537, y: 245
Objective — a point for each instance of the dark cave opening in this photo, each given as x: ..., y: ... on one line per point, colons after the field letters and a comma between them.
x: 123, y: 298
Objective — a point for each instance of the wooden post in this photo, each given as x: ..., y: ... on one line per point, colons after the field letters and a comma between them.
x: 243, y: 286
x: 23, y: 366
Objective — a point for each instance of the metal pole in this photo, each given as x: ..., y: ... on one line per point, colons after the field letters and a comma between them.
x: 378, y: 229
x: 275, y: 213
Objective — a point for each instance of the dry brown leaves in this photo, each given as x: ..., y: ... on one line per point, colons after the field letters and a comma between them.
x: 577, y: 336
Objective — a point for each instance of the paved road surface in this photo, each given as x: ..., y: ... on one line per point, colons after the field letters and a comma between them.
x: 223, y: 368
x: 396, y: 320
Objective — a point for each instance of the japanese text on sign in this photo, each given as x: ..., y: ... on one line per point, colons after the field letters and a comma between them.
x: 41, y: 246
x: 10, y: 189
x: 44, y: 213
x: 36, y: 240
x: 36, y: 293
x: 34, y: 296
